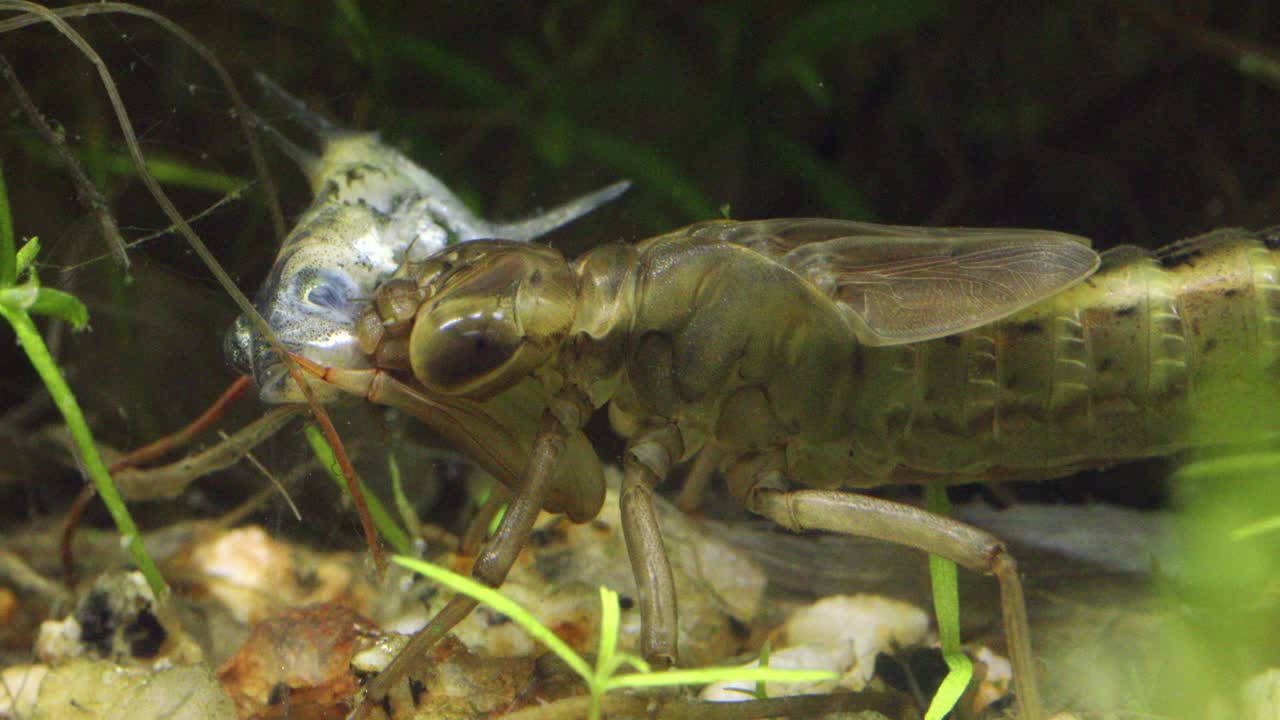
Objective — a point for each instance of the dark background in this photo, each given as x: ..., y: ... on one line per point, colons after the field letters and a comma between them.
x: 1127, y: 123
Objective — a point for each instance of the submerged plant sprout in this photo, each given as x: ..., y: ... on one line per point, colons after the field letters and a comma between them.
x: 1121, y: 123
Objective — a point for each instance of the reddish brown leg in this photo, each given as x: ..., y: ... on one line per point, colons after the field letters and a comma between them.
x: 169, y: 443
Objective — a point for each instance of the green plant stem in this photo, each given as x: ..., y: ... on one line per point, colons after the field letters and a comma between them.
x: 42, y: 361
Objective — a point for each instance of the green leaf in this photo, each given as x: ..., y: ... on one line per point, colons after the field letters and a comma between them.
x: 27, y: 255
x: 762, y: 690
x: 64, y: 306
x: 19, y: 298
x: 610, y: 617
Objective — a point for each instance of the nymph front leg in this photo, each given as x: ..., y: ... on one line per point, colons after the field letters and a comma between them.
x: 763, y: 491
x: 649, y: 458
x: 497, y: 557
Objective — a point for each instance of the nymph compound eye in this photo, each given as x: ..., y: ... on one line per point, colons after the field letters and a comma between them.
x: 498, y: 314
x: 465, y: 354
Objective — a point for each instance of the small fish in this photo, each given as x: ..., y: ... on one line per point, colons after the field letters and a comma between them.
x: 374, y: 210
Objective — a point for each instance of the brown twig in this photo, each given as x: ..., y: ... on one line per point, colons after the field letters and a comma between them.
x: 798, y: 706
x: 18, y: 573
x: 87, y: 193
x: 168, y: 481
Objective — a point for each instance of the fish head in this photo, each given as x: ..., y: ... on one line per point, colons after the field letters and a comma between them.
x: 320, y: 284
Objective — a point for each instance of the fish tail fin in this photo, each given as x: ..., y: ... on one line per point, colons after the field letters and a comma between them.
x: 313, y: 121
x: 545, y: 222
x: 305, y: 159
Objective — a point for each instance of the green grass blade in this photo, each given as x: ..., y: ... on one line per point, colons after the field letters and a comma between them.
x: 946, y: 605
x: 172, y: 171
x: 382, y: 519
x: 408, y: 514
x: 823, y: 27
x: 844, y: 199
x: 762, y: 691
x: 606, y: 660
x: 599, y: 680
x: 502, y: 604
x: 1262, y: 527
x: 352, y: 26
x: 1214, y: 469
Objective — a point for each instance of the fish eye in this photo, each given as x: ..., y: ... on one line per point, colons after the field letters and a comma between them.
x: 326, y: 289
x: 326, y: 296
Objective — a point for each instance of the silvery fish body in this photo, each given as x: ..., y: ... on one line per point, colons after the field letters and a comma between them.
x: 374, y: 209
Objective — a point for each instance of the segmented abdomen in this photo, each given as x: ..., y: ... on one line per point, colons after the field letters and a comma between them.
x: 1115, y: 368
